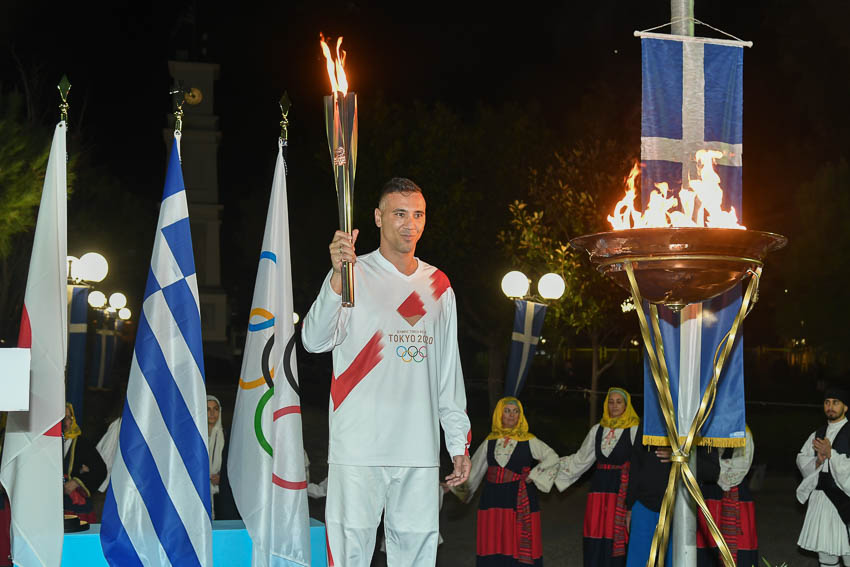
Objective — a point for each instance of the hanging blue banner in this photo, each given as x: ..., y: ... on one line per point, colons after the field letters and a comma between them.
x: 528, y: 322
x: 75, y: 376
x: 693, y: 100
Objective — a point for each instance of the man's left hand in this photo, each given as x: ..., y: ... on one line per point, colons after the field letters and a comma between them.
x: 462, y: 467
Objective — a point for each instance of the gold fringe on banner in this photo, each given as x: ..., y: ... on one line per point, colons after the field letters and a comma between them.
x: 719, y: 442
x: 681, y: 446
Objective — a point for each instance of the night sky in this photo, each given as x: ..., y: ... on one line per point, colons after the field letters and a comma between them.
x: 552, y: 54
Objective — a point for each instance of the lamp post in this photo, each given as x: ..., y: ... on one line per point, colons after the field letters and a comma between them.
x: 112, y: 313
x: 528, y: 322
x: 82, y: 272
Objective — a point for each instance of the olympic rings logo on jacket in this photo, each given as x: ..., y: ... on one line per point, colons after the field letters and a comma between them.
x: 411, y: 353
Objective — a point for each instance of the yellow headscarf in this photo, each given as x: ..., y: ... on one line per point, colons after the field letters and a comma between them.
x: 519, y: 433
x: 74, y: 430
x: 628, y: 419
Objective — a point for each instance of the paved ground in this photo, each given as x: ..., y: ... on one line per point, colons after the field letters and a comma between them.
x: 778, y: 515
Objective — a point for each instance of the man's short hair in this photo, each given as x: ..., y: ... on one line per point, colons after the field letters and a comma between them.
x: 398, y: 185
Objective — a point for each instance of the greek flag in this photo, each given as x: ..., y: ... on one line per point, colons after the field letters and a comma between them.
x: 157, y: 509
x: 693, y: 99
x: 528, y: 322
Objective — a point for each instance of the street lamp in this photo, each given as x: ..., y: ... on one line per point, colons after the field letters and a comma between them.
x: 515, y: 284
x: 83, y: 272
x: 551, y: 286
x: 118, y: 300
x: 94, y: 267
x: 528, y: 322
x: 97, y: 299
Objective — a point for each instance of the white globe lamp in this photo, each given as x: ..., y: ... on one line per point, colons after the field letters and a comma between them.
x: 515, y: 284
x: 94, y: 267
x: 551, y: 286
x: 97, y: 299
x: 117, y: 300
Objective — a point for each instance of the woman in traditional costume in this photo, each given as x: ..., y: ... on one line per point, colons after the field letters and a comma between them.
x: 722, y: 476
x: 609, y: 446
x: 508, y: 512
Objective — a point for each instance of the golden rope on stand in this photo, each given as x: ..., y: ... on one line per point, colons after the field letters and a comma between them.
x: 661, y: 377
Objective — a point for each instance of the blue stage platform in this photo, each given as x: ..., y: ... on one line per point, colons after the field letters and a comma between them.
x: 231, y: 546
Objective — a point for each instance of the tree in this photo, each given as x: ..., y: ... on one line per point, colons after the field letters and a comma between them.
x: 24, y: 149
x: 571, y: 197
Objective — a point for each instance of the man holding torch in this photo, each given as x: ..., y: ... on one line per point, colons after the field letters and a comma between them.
x: 397, y: 378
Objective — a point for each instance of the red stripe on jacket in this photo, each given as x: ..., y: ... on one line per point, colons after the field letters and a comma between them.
x: 363, y: 363
x: 439, y: 284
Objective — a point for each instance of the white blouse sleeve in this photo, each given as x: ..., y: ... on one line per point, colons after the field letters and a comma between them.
x: 733, y: 471
x: 806, y: 458
x: 573, y: 466
x: 543, y: 475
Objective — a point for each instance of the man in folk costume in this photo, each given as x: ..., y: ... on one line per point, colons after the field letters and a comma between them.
x: 508, y: 512
x: 397, y: 378
x: 84, y: 469
x: 824, y: 461
x: 608, y: 445
x: 722, y: 476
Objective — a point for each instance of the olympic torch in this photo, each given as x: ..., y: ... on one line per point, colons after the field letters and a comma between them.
x: 341, y: 127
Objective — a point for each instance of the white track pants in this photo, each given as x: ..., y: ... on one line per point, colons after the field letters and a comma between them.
x: 406, y: 495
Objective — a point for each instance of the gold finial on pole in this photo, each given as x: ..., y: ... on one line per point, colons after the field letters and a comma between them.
x: 285, y: 105
x: 64, y: 87
x: 179, y: 94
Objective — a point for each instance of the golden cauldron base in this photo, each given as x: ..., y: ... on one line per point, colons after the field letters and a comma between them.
x: 678, y: 266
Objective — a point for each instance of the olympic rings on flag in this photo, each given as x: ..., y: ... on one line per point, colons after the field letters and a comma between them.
x: 412, y: 353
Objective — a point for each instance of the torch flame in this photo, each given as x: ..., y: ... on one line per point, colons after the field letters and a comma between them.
x: 700, y: 204
x: 336, y: 68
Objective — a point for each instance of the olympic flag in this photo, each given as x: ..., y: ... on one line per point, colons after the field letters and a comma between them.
x: 32, y: 456
x: 157, y: 509
x: 266, y: 460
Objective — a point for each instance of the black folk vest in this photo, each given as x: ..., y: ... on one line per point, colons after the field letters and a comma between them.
x: 826, y: 483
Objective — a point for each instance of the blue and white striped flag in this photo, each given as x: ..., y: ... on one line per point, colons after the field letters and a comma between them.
x: 692, y: 100
x: 157, y: 509
x: 528, y: 322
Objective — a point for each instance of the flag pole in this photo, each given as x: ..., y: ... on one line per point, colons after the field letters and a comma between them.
x: 685, y: 511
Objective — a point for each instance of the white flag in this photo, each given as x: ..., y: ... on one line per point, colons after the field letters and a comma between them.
x: 32, y: 454
x: 266, y: 458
